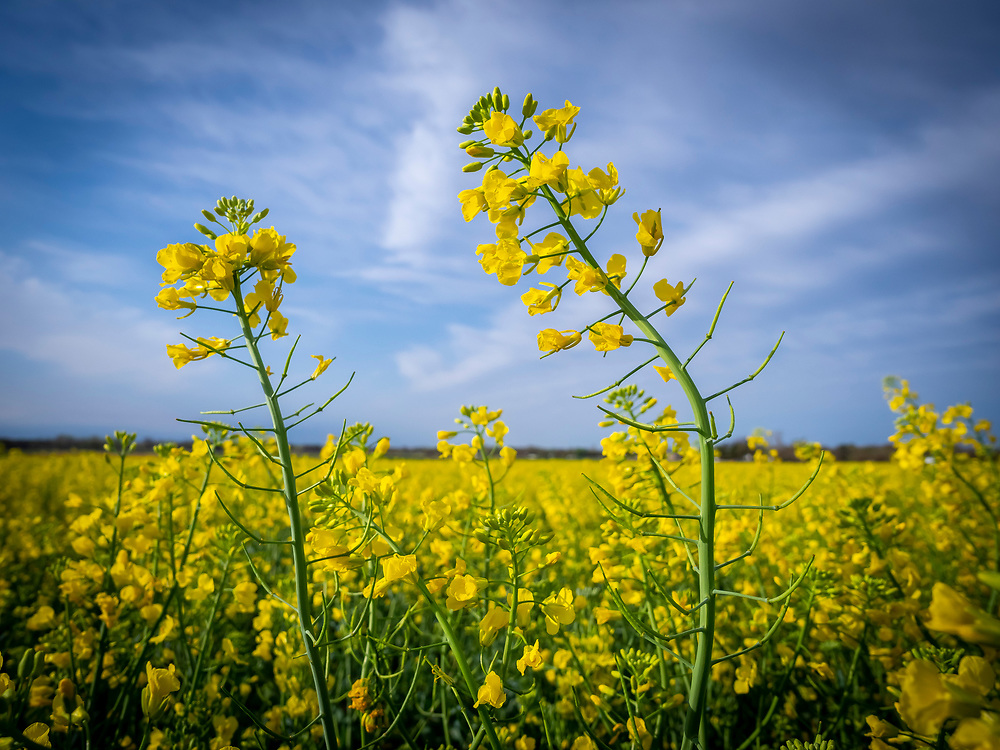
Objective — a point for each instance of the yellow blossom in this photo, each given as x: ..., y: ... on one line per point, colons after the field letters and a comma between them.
x: 491, y: 691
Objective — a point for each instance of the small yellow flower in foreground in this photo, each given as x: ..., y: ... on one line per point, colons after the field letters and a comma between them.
x: 321, y: 366
x: 539, y: 301
x: 953, y: 613
x: 43, y: 619
x: 672, y: 295
x: 558, y: 610
x: 492, y: 623
x: 637, y: 732
x: 650, y: 234
x: 38, y: 733
x: 553, y: 122
x: 463, y: 591
x: 607, y: 337
x: 603, y: 615
x: 160, y: 683
x: 502, y: 130
x: 398, y: 566
x: 665, y: 372
x: 491, y: 691
x: 531, y: 658
x: 551, y: 340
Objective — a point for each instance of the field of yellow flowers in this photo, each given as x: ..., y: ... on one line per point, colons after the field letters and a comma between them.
x: 144, y: 598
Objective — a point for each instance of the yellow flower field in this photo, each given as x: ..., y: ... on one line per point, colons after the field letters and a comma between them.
x: 135, y: 610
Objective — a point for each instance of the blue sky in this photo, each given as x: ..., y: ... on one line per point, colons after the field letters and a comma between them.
x: 837, y: 161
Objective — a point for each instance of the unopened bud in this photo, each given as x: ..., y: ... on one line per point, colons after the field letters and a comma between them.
x: 474, y: 166
x: 529, y: 106
x: 465, y: 144
x: 506, y: 103
x: 206, y: 231
x: 465, y: 129
x: 259, y: 215
x: 208, y: 215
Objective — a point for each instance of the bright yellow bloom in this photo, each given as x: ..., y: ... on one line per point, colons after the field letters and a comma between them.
x: 607, y: 337
x: 553, y: 122
x: 463, y: 591
x: 637, y: 732
x: 491, y: 691
x: 182, y: 354
x: 953, y: 613
x: 616, y: 269
x: 665, y: 372
x: 546, y: 171
x: 170, y: 299
x: 540, y: 301
x: 473, y: 202
x: 650, y: 234
x: 549, y: 252
x: 588, y: 278
x: 505, y: 259
x: 160, y: 683
x: 323, y: 363
x: 558, y: 610
x: 507, y: 455
x: 551, y: 340
x: 530, y: 658
x: 672, y: 295
x: 38, y: 733
x: 398, y: 566
x: 180, y: 261
x: 502, y: 130
x: 492, y: 623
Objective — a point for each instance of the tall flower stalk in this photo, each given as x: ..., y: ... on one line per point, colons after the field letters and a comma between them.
x: 223, y: 273
x: 575, y: 196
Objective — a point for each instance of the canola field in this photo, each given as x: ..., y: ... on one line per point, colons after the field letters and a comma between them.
x: 147, y: 600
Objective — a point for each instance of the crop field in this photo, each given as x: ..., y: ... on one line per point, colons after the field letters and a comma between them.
x: 131, y: 599
x: 236, y: 595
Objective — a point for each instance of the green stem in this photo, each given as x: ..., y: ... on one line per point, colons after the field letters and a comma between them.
x: 303, y: 596
x: 697, y: 696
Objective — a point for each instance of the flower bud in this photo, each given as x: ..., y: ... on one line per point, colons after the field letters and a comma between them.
x: 206, y: 231
x: 465, y: 129
x: 529, y: 106
x: 506, y: 103
x: 465, y: 144
x: 259, y: 215
x: 208, y: 215
x: 474, y: 166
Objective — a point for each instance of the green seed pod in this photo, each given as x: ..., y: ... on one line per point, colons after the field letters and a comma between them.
x: 474, y: 166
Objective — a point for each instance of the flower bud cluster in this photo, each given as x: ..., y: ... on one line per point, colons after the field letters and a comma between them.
x: 571, y: 192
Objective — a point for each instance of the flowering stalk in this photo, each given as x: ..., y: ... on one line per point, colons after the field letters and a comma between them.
x: 505, y: 199
x: 225, y: 272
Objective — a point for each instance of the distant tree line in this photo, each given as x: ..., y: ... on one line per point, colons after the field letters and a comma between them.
x: 730, y: 450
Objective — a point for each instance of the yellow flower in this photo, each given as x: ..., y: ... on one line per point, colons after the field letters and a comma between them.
x: 558, y: 610
x: 551, y: 340
x: 38, y: 733
x: 637, y: 732
x: 491, y: 691
x: 546, y: 171
x: 180, y: 261
x: 473, y: 203
x: 531, y: 658
x: 503, y: 131
x: 953, y: 613
x: 553, y: 122
x: 665, y: 372
x: 160, y: 683
x: 323, y: 363
x: 540, y: 301
x: 463, y: 591
x: 182, y: 354
x: 549, y: 252
x: 43, y: 619
x: 359, y: 695
x: 398, y: 566
x: 650, y: 233
x: 492, y: 623
x: 672, y: 295
x: 607, y: 337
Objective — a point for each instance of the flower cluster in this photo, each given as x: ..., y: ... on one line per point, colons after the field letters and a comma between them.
x: 193, y: 272
x: 570, y: 192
